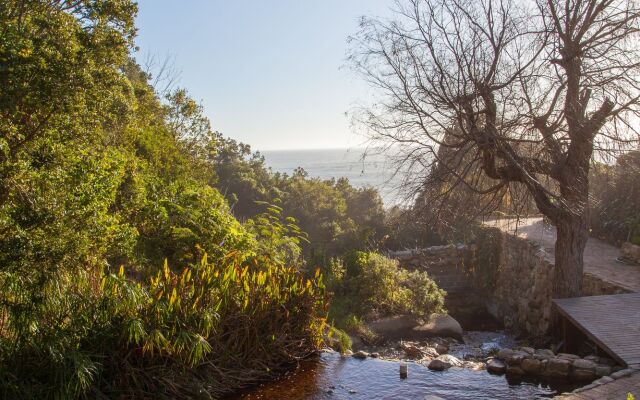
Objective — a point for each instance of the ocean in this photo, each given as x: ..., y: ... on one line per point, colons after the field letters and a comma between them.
x: 362, y: 169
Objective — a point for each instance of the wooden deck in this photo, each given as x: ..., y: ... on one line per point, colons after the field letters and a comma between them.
x: 612, y: 322
x: 616, y: 390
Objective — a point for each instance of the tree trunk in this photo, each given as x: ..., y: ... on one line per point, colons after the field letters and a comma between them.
x: 569, y: 257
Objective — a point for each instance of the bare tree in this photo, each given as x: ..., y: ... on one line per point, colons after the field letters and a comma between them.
x: 528, y: 92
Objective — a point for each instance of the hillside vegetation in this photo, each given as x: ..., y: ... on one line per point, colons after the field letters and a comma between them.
x: 142, y: 254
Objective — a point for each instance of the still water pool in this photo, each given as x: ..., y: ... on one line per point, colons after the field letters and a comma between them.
x: 332, y: 376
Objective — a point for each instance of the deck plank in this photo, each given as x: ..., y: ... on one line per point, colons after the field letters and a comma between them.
x: 611, y: 321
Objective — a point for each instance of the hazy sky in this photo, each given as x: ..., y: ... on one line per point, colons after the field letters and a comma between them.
x: 268, y: 72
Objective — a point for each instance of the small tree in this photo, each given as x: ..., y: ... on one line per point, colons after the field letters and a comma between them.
x: 529, y: 93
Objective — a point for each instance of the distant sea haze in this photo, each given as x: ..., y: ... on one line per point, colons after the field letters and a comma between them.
x: 362, y: 170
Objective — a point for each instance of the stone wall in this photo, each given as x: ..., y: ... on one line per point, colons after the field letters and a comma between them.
x: 509, y: 276
x: 448, y: 266
x: 519, y: 288
x: 519, y: 282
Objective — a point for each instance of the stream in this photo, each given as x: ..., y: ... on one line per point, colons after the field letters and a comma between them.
x: 334, y: 376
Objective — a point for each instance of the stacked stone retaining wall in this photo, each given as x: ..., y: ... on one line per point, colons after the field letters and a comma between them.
x: 508, y: 275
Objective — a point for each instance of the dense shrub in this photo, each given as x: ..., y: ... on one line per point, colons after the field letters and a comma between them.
x: 203, y: 332
x: 367, y: 285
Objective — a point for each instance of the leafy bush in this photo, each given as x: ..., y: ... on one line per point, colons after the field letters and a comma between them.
x: 206, y: 331
x: 370, y: 285
x: 340, y: 340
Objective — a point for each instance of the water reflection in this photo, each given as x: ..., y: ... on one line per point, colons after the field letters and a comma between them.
x: 332, y: 376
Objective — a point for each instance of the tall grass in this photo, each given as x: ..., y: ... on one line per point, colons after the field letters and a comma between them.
x: 202, y: 332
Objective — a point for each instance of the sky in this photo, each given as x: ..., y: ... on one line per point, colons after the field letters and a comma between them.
x: 270, y: 73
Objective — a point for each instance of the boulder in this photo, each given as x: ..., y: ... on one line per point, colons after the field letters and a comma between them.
x: 360, y: 355
x: 407, y: 327
x: 496, y: 366
x: 440, y: 325
x: 394, y: 328
x: 583, y: 370
x: 531, y: 366
x: 438, y: 365
x: 558, y: 367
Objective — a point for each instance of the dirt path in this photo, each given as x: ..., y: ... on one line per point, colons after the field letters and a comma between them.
x: 599, y: 257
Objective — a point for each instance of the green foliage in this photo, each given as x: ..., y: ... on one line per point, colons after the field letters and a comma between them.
x: 98, y: 171
x: 372, y: 285
x: 97, y: 334
x: 277, y: 236
x: 336, y: 216
x: 340, y: 340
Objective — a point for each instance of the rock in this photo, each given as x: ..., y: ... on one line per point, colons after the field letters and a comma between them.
x: 438, y: 365
x: 603, y: 370
x: 374, y: 355
x: 583, y: 370
x: 593, y: 358
x: 568, y: 356
x: 546, y: 353
x: 496, y: 366
x: 622, y: 373
x: 503, y: 354
x: 449, y: 359
x: 583, y: 375
x: 360, y: 355
x: 511, y: 370
x: 530, y: 366
x: 407, y: 327
x: 441, y: 348
x: 603, y: 380
x: 516, y: 358
x: 440, y: 325
x: 394, y: 328
x: 558, y: 367
x: 584, y: 364
x: 348, y: 353
x: 527, y: 350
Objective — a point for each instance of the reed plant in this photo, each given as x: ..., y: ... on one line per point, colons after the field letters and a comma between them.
x: 202, y: 332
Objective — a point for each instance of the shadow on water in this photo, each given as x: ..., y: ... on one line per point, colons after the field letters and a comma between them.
x: 332, y: 376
